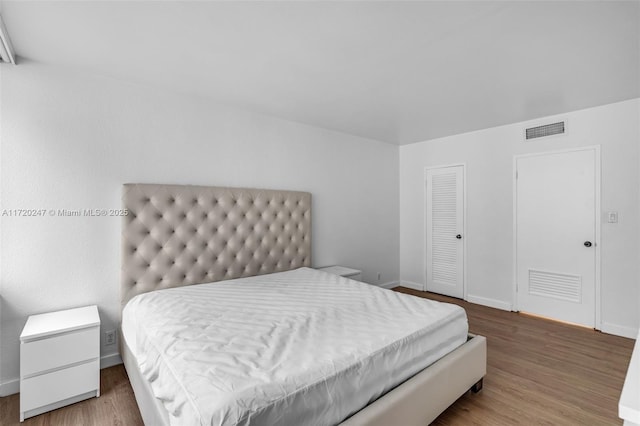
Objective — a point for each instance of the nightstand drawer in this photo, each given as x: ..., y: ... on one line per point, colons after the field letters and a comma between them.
x: 48, y: 388
x: 59, y: 351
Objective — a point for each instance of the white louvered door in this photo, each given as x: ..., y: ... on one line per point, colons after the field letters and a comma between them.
x: 556, y: 234
x: 445, y: 230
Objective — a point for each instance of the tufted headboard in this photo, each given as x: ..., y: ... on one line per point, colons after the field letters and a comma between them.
x: 177, y: 235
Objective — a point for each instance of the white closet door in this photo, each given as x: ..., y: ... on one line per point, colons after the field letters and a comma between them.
x: 445, y: 230
x: 556, y: 231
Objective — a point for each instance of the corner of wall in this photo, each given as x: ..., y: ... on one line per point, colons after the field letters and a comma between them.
x: 1, y: 204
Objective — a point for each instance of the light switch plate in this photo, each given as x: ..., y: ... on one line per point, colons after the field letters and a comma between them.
x: 612, y: 217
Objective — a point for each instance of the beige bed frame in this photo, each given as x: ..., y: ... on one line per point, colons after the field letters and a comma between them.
x: 176, y: 235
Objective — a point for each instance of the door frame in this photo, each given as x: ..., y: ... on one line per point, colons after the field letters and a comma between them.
x: 598, y: 178
x: 464, y: 224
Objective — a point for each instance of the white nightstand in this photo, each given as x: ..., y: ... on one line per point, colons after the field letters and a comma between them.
x: 343, y: 271
x: 59, y: 360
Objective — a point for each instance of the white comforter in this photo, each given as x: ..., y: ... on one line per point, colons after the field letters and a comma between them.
x: 291, y: 348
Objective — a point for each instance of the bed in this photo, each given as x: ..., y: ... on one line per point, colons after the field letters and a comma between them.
x: 224, y: 321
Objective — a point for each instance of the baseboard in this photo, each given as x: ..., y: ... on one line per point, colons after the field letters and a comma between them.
x: 110, y: 360
x: 391, y: 284
x: 411, y: 284
x: 492, y: 303
x: 13, y: 386
x: 10, y: 387
x: 619, y: 330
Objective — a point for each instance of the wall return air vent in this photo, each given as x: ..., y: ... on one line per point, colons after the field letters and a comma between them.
x: 546, y: 130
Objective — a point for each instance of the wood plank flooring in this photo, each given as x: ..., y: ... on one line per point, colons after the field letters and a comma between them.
x: 539, y: 372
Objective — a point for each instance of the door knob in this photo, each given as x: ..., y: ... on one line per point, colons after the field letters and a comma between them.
x: 587, y: 244
x: 459, y: 236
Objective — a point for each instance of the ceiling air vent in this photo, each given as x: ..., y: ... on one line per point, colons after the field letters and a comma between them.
x: 546, y: 130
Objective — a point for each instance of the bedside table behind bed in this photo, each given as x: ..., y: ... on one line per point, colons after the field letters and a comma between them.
x: 343, y: 271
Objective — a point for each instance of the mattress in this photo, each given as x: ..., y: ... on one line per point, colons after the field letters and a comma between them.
x: 296, y: 347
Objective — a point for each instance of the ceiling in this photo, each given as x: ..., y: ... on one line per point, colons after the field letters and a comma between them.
x: 399, y: 72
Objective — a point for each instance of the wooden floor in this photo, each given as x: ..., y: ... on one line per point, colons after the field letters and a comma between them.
x: 539, y: 373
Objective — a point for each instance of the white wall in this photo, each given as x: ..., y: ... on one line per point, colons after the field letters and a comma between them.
x: 71, y: 140
x: 488, y: 155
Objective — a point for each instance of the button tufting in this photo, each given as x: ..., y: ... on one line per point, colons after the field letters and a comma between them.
x: 257, y: 226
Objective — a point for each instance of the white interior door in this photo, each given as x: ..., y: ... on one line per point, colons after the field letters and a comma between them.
x: 445, y: 230
x: 555, y: 235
